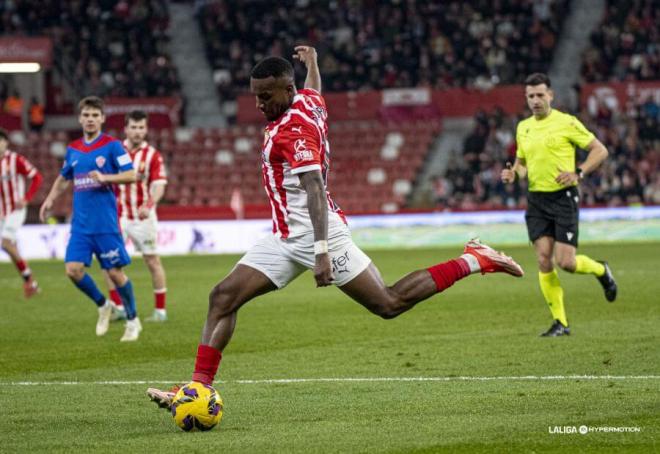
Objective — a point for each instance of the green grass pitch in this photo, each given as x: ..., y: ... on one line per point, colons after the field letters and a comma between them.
x: 484, y: 329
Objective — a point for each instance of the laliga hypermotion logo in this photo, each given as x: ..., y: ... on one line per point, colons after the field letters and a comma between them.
x: 302, y: 153
x: 100, y: 160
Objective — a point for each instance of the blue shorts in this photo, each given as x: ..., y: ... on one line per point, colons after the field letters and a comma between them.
x: 108, y: 248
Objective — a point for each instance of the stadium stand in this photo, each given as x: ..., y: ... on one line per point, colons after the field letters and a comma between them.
x: 373, y: 165
x: 398, y: 44
x: 626, y: 46
x: 115, y: 48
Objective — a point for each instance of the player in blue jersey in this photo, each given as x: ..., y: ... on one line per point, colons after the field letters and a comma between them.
x: 95, y: 163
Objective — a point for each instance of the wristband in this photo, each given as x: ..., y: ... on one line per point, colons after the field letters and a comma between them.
x: 579, y: 173
x: 320, y: 247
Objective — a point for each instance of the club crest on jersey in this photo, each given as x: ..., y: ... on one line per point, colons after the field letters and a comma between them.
x: 302, y: 153
x: 100, y: 160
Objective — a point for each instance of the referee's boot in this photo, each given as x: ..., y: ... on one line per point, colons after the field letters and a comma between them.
x: 557, y: 329
x: 608, y: 283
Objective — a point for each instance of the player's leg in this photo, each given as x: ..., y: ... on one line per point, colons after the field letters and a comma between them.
x: 112, y: 256
x: 159, y: 285
x: 540, y: 220
x: 368, y: 288
x: 118, y: 312
x: 567, y: 259
x: 241, y: 285
x: 264, y: 268
x: 550, y: 286
x: 30, y: 286
x: 75, y: 263
x: 144, y: 235
x: 9, y: 229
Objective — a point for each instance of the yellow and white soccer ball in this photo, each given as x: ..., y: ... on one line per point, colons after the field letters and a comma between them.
x: 197, y: 406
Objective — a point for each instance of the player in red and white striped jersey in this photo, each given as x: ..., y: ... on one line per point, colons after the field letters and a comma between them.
x: 14, y: 170
x: 137, y: 207
x: 309, y: 229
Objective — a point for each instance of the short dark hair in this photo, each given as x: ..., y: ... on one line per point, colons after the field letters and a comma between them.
x: 272, y: 67
x: 93, y: 102
x: 4, y: 134
x: 136, y: 115
x: 538, y: 79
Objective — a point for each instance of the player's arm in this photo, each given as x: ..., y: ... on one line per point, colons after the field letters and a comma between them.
x: 307, y: 55
x: 597, y: 154
x: 156, y: 192
x: 127, y: 176
x: 317, y: 204
x: 519, y: 169
x: 26, y: 168
x: 59, y: 186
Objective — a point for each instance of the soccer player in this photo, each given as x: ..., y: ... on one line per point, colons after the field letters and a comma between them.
x: 546, y: 154
x: 309, y: 229
x: 14, y: 170
x: 95, y: 163
x: 137, y: 207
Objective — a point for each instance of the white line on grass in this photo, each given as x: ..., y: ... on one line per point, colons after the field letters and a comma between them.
x: 345, y: 380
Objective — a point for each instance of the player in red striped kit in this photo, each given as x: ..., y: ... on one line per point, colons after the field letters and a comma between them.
x: 14, y: 170
x: 137, y: 209
x: 309, y: 229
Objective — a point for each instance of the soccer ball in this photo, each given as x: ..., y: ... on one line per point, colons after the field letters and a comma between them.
x: 197, y: 406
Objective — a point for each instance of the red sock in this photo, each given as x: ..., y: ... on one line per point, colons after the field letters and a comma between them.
x: 159, y: 298
x: 206, y: 364
x: 445, y: 274
x: 115, y: 297
x: 22, y: 266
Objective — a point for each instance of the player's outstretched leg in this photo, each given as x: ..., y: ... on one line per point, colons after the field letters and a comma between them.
x: 240, y: 286
x: 369, y: 289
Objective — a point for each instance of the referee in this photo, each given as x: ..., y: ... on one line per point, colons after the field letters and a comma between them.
x: 546, y: 144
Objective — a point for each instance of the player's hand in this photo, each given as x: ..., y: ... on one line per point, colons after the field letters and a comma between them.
x: 567, y: 178
x: 323, y: 270
x: 20, y: 204
x: 306, y: 55
x: 45, y: 208
x: 97, y: 176
x: 143, y: 212
x: 508, y: 175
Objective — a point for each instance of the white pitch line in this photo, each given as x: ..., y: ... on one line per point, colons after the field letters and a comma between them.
x: 345, y: 380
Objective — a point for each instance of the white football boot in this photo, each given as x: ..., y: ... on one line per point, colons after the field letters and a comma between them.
x: 105, y: 312
x: 132, y: 331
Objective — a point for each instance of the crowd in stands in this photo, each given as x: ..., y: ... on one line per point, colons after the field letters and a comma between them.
x: 370, y: 44
x: 626, y: 45
x: 630, y: 175
x: 108, y: 48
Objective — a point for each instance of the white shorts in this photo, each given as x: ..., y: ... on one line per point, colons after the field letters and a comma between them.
x: 143, y: 233
x: 284, y: 260
x: 10, y: 224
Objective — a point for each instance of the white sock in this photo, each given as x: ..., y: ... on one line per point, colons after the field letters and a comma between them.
x: 472, y: 262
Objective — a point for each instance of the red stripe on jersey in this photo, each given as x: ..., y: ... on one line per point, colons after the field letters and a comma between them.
x: 148, y: 168
x: 277, y: 208
x: 297, y: 140
x: 14, y: 168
